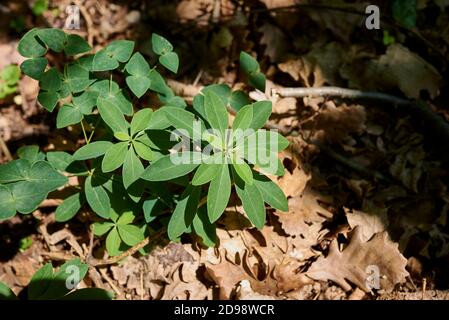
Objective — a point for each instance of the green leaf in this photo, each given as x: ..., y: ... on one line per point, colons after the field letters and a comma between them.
x: 109, y: 57
x: 91, y: 150
x: 45, y: 177
x: 48, y: 100
x: 114, y: 156
x: 40, y: 282
x: 69, y: 208
x: 261, y: 113
x: 39, y: 7
x: 144, y: 151
x: 122, y: 136
x: 184, y: 120
x: 76, y: 45
x: 219, y: 193
x: 252, y: 202
x: 271, y: 193
x: 170, y: 60
x: 89, y: 294
x: 257, y: 80
x: 27, y: 196
x: 184, y: 212
x: 202, y: 227
x: 74, y: 269
x: 30, y: 46
x: 243, y: 170
x: 59, y: 160
x: 55, y: 39
x: 248, y: 64
x: 97, y: 198
x: 138, y: 85
x: 112, y: 116
x: 132, y: 168
x: 131, y: 235
x: 68, y: 115
x: 34, y: 68
x: 208, y: 170
x: 138, y: 80
x: 113, y: 242
x: 238, y: 100
x: 7, y: 205
x: 405, y: 12
x: 160, y: 45
x: 6, y: 293
x: 126, y: 218
x: 243, y: 119
x: 141, y: 120
x: 30, y: 153
x: 77, y: 78
x: 14, y: 171
x: 51, y: 80
x: 169, y: 167
x: 216, y: 112
x: 159, y: 121
x: 100, y: 228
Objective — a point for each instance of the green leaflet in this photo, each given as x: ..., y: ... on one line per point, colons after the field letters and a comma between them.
x: 172, y: 166
x: 271, y: 193
x: 112, y: 116
x: 216, y: 112
x: 114, y: 156
x: 219, y: 193
x: 253, y: 203
x: 132, y: 168
x: 202, y: 227
x: 91, y: 150
x: 70, y: 207
x: 98, y: 198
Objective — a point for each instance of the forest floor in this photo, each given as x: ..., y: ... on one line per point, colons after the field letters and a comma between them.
x: 367, y: 180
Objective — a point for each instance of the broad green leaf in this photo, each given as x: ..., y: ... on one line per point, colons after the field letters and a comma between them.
x: 261, y: 113
x: 122, y: 136
x: 103, y: 61
x: 202, y: 227
x: 6, y: 293
x: 219, y: 193
x: 112, y: 116
x: 243, y: 119
x: 184, y: 212
x: 91, y: 150
x: 243, y: 170
x: 44, y: 176
x: 77, y: 78
x: 257, y: 80
x: 152, y: 208
x: 170, y: 60
x: 74, y: 269
x: 253, y: 203
x: 30, y: 153
x: 15, y: 170
x: 144, y: 151
x: 248, y: 64
x: 48, y: 100
x: 30, y: 46
x: 158, y: 83
x: 137, y: 65
x: 238, y: 100
x: 7, y: 205
x: 160, y: 45
x: 158, y: 120
x: 68, y: 115
x: 141, y: 120
x: 100, y: 228
x: 113, y: 242
x: 131, y: 235
x: 126, y: 218
x: 55, y: 39
x: 132, y: 168
x: 110, y: 91
x: 114, y: 156
x: 216, y: 112
x: 51, y: 80
x: 184, y: 120
x: 40, y: 282
x: 271, y: 193
x: 69, y: 208
x: 109, y: 57
x: 59, y: 160
x: 172, y: 166
x: 97, y: 198
x: 89, y: 294
x: 34, y: 68
x: 139, y: 85
x: 76, y: 45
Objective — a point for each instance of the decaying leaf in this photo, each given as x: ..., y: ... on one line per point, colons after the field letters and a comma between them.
x: 368, y: 223
x: 359, y: 261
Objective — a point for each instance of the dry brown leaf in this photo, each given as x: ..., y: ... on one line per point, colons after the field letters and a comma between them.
x: 294, y: 183
x: 288, y: 276
x: 226, y: 275
x: 275, y: 41
x: 368, y: 223
x: 245, y: 292
x: 352, y: 264
x: 285, y: 105
x: 303, y: 211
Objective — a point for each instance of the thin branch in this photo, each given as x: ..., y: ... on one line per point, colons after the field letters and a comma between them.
x: 5, y: 149
x: 339, y: 92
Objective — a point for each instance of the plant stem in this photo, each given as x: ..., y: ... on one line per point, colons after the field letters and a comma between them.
x: 84, y: 132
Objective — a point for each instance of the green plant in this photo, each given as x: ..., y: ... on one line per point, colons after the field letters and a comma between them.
x: 172, y: 167
x: 62, y: 285
x: 9, y: 78
x: 39, y: 7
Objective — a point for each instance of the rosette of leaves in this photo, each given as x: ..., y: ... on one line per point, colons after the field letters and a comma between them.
x: 60, y: 285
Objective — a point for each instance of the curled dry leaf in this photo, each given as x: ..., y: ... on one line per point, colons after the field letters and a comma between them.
x: 245, y: 292
x: 355, y: 264
x: 368, y: 223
